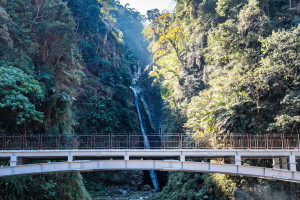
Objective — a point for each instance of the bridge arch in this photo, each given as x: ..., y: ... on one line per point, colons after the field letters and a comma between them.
x: 161, y: 165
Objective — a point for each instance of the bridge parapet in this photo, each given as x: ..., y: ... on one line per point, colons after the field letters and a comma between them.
x: 157, y: 141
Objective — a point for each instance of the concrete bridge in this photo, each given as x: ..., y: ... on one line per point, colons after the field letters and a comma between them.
x: 23, y: 162
x: 228, y: 154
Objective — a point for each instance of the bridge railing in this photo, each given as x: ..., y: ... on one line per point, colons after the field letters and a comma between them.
x: 157, y: 141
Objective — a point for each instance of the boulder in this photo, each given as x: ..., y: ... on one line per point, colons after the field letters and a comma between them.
x: 146, y: 188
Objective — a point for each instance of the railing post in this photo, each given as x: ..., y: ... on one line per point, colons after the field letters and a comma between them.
x: 110, y: 141
x: 94, y: 141
x: 40, y: 142
x: 248, y: 141
x: 180, y: 141
x: 163, y: 140
x: 5, y: 142
x: 298, y: 142
x: 22, y: 140
x: 2, y: 142
x: 216, y: 142
x: 281, y: 141
x: 267, y: 143
x: 127, y: 140
x: 57, y: 143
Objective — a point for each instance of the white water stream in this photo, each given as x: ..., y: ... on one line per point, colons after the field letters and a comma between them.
x: 145, y: 138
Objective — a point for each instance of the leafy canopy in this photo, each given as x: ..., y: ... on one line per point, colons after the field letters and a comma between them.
x: 18, y: 93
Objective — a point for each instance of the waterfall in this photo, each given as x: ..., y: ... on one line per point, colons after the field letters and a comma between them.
x: 146, y: 108
x: 145, y: 138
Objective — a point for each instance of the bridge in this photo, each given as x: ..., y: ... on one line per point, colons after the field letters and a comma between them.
x: 172, y: 152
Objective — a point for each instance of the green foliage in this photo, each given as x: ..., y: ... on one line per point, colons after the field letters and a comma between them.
x: 54, y: 186
x: 288, y: 120
x: 247, y: 71
x: 97, y: 114
x: 212, y: 112
x: 39, y: 71
x: 94, y: 189
x: 42, y: 36
x: 18, y: 94
x: 234, y: 69
x: 104, y: 101
x: 195, y: 186
x: 47, y: 49
x: 2, y: 2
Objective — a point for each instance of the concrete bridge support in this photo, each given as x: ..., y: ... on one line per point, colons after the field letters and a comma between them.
x: 276, y: 163
x: 13, y: 161
x: 70, y: 158
x: 238, y: 160
x: 182, y: 158
x: 284, y: 162
x: 280, y: 163
x: 126, y: 157
x: 292, y: 163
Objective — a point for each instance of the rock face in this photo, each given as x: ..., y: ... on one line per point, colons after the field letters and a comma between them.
x: 146, y: 188
x: 133, y: 178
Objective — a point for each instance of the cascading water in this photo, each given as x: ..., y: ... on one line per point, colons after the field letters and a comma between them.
x: 146, y: 108
x: 145, y: 138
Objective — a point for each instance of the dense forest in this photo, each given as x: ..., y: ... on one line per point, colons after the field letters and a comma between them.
x: 227, y: 66
x: 65, y: 68
x: 211, y: 67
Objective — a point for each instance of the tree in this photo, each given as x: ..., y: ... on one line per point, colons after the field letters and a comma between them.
x: 19, y: 93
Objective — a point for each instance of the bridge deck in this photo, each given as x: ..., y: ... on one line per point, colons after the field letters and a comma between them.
x: 154, y: 152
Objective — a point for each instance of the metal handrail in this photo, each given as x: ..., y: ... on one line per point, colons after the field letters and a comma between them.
x: 157, y: 141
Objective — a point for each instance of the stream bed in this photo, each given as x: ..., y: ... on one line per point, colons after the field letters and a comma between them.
x: 119, y: 193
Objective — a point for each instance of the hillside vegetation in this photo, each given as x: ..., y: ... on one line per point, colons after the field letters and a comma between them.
x: 227, y: 66
x: 66, y: 68
x: 219, y: 66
